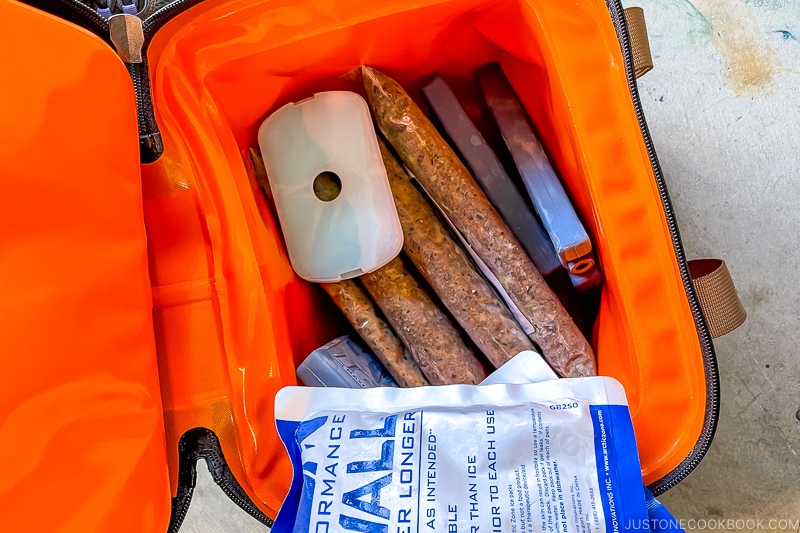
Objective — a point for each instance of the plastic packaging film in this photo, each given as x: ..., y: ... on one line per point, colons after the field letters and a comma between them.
x: 492, y: 176
x: 362, y: 315
x: 545, y: 189
x: 428, y: 333
x: 448, y: 270
x: 435, y: 165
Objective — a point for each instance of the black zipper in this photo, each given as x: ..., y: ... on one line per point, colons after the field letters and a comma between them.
x: 223, y: 477
x: 201, y: 443
x: 150, y: 144
x: 709, y: 357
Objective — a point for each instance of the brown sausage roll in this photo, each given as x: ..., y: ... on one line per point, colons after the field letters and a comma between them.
x: 447, y: 180
x: 361, y: 313
x: 450, y: 273
x: 427, y: 332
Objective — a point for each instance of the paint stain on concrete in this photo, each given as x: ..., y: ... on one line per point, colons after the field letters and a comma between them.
x: 771, y: 4
x: 700, y: 28
x: 749, y: 62
x: 787, y: 35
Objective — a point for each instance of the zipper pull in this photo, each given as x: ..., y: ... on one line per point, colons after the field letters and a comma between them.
x: 128, y: 37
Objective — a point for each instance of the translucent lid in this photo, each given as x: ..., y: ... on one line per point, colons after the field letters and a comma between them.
x: 330, y: 187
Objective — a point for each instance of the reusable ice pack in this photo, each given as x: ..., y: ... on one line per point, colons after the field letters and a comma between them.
x: 557, y: 456
x: 330, y: 188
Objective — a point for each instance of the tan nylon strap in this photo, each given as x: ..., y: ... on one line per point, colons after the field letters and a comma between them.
x: 718, y: 298
x: 712, y: 281
x: 640, y: 45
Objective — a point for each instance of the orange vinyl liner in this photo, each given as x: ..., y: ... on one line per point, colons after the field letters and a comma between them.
x: 232, y: 320
x: 87, y: 368
x: 81, y: 428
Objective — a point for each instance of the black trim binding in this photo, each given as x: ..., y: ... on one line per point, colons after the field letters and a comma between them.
x: 709, y: 356
x: 202, y: 443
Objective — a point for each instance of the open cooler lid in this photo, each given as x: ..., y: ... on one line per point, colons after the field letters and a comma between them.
x: 81, y: 429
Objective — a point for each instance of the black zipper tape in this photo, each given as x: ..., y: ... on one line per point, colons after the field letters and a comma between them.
x: 202, y: 443
x: 709, y: 357
x: 151, y: 146
x: 187, y: 478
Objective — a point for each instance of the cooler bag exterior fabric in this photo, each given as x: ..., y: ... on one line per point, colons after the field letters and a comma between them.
x: 230, y: 318
x: 81, y: 425
x: 216, y: 75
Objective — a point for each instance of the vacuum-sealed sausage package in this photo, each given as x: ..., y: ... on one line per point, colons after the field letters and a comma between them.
x: 556, y: 456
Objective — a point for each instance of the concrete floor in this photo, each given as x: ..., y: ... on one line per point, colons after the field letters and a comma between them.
x: 723, y: 105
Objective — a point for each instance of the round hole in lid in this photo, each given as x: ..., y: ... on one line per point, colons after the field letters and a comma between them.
x: 582, y: 266
x: 327, y: 186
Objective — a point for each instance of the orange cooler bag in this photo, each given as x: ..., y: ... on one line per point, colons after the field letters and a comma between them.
x: 150, y: 313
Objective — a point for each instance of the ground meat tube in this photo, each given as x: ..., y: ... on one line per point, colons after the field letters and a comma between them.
x: 447, y: 180
x: 450, y: 273
x: 426, y: 331
x: 361, y: 313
